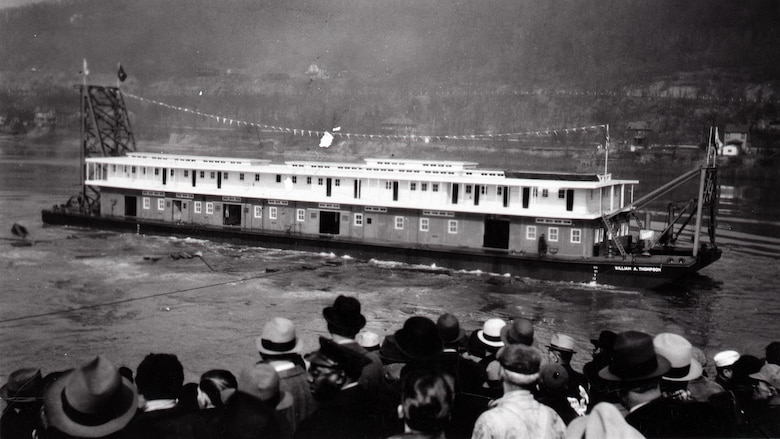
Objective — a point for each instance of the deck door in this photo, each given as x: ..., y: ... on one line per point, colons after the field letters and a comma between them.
x: 193, y: 178
x: 219, y: 180
x: 476, y: 194
x: 329, y: 222
x: 496, y: 233
x: 231, y: 214
x: 569, y: 199
x: 165, y: 175
x: 328, y: 186
x: 395, y: 191
x: 526, y: 197
x: 506, y: 196
x: 455, y: 190
x: 176, y: 211
x: 131, y: 206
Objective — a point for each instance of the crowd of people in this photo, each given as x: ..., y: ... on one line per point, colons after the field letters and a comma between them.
x: 428, y: 379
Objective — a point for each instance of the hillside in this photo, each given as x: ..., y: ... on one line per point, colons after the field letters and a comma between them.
x: 453, y: 66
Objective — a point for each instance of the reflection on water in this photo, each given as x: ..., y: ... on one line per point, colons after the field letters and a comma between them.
x: 120, y: 301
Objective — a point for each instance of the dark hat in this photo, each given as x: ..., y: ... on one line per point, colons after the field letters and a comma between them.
x: 605, y: 341
x: 746, y: 365
x: 389, y: 352
x: 634, y: 359
x: 553, y: 376
x: 24, y: 385
x: 90, y: 401
x: 520, y: 331
x: 449, y: 329
x: 419, y: 340
x: 772, y: 351
x: 334, y: 355
x: 345, y: 314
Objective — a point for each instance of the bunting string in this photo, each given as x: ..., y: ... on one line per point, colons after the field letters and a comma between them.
x: 363, y: 136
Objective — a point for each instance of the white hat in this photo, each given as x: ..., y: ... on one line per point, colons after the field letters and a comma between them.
x: 677, y: 350
x: 726, y: 358
x: 490, y: 334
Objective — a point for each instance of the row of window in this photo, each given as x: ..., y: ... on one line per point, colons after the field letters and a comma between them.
x: 553, y: 234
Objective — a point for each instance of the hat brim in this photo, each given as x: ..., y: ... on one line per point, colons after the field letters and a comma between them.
x: 403, y: 343
x: 55, y: 413
x: 457, y: 340
x: 493, y: 344
x: 332, y: 317
x: 661, y: 368
x: 560, y: 349
x: 263, y: 350
x: 694, y: 372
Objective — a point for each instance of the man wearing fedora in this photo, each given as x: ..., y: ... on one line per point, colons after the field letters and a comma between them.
x: 91, y: 401
x: 346, y: 409
x: 280, y: 347
x: 560, y: 351
x: 469, y: 376
x: 637, y: 370
x: 22, y: 394
x: 517, y: 414
x: 344, y: 321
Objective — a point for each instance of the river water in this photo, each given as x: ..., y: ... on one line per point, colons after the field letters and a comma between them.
x: 77, y: 293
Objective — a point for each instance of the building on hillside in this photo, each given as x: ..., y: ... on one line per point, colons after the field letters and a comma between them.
x: 640, y: 132
x: 45, y: 117
x: 399, y: 126
x: 735, y: 139
x: 315, y: 72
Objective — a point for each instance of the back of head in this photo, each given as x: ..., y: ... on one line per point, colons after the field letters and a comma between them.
x: 219, y: 386
x: 773, y: 353
x: 160, y: 376
x: 520, y: 364
x: 426, y: 400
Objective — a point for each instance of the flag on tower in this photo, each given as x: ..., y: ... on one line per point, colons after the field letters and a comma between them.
x: 121, y: 73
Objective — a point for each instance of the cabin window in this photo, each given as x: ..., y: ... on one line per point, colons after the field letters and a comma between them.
x: 132, y: 169
x: 435, y: 187
x: 161, y: 204
x: 300, y: 215
x: 319, y: 181
x: 257, y: 177
x: 576, y: 236
x: 468, y: 188
x: 202, y: 174
x: 186, y: 173
x: 272, y: 212
x: 278, y: 178
x: 388, y: 185
x: 423, y: 187
x: 147, y: 203
x: 500, y: 191
x: 368, y: 220
x: 399, y: 223
x: 359, y: 219
x: 240, y: 176
x: 452, y: 226
x: 536, y: 192
x: 483, y: 189
x: 172, y: 173
x: 425, y: 224
x: 209, y: 208
x: 156, y: 171
x: 337, y: 182
x: 545, y: 193
x: 143, y: 170
x: 198, y: 207
x: 295, y: 179
x: 258, y: 211
x: 530, y: 233
x: 412, y: 186
x: 308, y: 180
x: 561, y: 193
x: 552, y: 234
x: 224, y: 175
x: 113, y: 168
x: 213, y: 175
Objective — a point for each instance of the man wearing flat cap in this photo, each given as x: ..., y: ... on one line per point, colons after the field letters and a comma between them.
x: 517, y: 414
x: 346, y: 409
x: 560, y: 351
